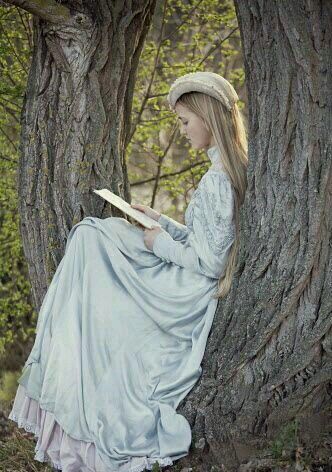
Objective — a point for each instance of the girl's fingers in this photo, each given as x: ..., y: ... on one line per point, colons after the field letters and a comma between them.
x: 139, y: 207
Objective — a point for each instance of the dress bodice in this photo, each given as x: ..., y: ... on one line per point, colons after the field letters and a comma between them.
x: 203, y: 243
x: 214, y: 155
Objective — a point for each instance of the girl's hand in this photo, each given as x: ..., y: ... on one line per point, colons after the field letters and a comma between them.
x: 150, y: 235
x: 147, y: 210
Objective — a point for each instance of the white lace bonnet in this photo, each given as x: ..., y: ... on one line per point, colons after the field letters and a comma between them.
x: 206, y: 82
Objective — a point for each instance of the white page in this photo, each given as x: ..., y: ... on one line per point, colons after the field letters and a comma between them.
x: 117, y: 201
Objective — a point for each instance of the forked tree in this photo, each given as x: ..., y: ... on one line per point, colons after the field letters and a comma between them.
x: 268, y: 357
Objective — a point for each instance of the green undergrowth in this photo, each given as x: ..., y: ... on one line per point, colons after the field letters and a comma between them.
x: 17, y: 453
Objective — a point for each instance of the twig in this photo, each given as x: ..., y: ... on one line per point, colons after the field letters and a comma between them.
x: 147, y: 93
x: 171, y: 174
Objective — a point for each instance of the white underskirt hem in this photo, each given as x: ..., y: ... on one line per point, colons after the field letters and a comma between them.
x: 61, y: 451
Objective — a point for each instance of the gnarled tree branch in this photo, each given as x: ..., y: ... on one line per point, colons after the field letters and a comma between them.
x: 48, y: 10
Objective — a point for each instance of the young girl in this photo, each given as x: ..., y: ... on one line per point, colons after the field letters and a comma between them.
x: 123, y: 326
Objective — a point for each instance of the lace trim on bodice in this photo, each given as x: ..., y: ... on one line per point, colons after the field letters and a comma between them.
x: 218, y: 240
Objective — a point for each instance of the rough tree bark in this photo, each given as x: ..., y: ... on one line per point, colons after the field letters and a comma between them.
x: 268, y: 357
x: 75, y: 120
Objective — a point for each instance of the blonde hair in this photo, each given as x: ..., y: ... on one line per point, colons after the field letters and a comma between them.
x: 228, y: 130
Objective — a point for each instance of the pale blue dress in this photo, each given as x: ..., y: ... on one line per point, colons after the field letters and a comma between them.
x: 121, y: 335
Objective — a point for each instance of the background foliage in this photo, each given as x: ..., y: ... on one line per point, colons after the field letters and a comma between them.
x: 16, y: 314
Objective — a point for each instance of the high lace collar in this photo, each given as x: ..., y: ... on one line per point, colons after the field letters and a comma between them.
x: 214, y: 155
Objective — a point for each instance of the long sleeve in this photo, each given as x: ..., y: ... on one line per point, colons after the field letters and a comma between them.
x: 177, y: 231
x: 207, y: 246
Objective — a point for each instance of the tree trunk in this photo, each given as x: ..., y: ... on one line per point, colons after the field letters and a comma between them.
x: 268, y: 357
x: 75, y: 120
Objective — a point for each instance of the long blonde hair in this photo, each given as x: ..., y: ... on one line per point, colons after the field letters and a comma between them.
x: 227, y: 128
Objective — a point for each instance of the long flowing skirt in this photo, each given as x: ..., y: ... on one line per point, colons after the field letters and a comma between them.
x: 119, y: 342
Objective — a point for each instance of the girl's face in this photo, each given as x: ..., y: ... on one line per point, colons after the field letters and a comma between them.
x: 193, y: 127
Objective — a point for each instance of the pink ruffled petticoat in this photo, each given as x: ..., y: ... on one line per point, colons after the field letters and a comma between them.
x: 60, y: 450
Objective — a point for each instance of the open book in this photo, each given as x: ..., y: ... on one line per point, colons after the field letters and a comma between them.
x: 124, y: 206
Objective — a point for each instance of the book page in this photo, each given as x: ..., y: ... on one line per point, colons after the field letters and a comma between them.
x: 124, y: 206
